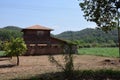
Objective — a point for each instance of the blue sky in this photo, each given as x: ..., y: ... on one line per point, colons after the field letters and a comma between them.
x: 60, y: 15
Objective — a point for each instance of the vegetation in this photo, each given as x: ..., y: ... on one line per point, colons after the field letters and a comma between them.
x: 104, y: 13
x: 108, y: 52
x: 10, y: 31
x: 2, y: 53
x: 1, y: 45
x: 15, y: 47
x: 91, y: 37
x: 68, y: 67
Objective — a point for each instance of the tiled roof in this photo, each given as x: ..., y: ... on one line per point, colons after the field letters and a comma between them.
x: 58, y: 39
x: 38, y: 27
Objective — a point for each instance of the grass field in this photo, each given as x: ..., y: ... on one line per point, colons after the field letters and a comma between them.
x: 2, y: 53
x: 108, y: 52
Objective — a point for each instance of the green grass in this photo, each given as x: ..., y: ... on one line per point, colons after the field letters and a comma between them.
x: 108, y: 52
x: 2, y: 53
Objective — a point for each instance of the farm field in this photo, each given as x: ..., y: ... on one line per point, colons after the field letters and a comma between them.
x: 108, y: 52
x: 33, y: 65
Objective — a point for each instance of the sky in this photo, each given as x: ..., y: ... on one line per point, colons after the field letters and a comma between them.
x: 60, y: 15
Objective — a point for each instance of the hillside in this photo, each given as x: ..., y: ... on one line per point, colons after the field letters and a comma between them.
x: 10, y: 31
x: 90, y: 35
x: 12, y: 28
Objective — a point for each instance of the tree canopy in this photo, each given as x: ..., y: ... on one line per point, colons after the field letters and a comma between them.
x: 102, y: 12
x: 15, y: 47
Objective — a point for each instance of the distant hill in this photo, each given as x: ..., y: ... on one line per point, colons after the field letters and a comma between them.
x: 10, y: 31
x: 12, y: 28
x: 90, y: 35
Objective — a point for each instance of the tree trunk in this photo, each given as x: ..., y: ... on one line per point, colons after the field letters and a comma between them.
x: 119, y: 40
x: 10, y: 57
x: 17, y: 60
x: 118, y: 34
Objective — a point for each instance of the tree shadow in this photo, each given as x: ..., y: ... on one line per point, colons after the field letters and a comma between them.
x: 78, y: 75
x: 7, y: 65
x: 3, y: 59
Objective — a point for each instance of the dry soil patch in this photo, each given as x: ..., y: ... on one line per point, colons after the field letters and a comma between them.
x: 32, y: 65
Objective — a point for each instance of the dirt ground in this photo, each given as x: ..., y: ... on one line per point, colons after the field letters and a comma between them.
x: 32, y: 65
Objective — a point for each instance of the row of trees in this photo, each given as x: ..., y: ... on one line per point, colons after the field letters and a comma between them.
x: 83, y: 44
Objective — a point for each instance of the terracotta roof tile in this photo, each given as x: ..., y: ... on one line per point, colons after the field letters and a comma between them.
x: 38, y: 27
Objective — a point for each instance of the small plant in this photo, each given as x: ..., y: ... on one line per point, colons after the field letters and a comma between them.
x: 68, y: 67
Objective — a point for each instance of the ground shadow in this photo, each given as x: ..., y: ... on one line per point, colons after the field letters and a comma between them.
x: 7, y: 65
x: 78, y: 75
x: 4, y: 59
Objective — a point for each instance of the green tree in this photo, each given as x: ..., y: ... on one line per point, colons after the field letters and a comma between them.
x: 104, y: 13
x: 1, y: 46
x: 15, y: 47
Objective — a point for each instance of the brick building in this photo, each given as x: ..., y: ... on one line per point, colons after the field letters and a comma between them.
x: 39, y: 41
